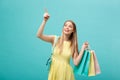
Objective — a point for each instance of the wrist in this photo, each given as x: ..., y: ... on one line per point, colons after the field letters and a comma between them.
x: 44, y: 20
x: 82, y: 48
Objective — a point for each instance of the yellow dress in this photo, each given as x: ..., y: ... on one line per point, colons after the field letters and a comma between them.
x: 60, y: 67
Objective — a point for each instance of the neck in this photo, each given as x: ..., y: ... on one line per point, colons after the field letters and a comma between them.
x: 66, y: 37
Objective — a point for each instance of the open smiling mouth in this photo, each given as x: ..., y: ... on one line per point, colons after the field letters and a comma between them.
x: 66, y: 30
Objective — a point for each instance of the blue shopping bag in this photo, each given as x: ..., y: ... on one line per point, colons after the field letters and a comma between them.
x: 86, y: 66
x: 82, y: 68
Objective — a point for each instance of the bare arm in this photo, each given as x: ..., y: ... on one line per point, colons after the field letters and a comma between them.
x: 47, y: 38
x: 77, y: 57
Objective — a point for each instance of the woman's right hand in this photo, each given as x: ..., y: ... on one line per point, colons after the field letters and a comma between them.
x: 46, y: 16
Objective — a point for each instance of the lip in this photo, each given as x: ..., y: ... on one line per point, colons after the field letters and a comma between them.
x: 66, y: 30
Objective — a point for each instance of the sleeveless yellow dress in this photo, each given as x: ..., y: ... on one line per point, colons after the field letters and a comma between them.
x: 60, y: 67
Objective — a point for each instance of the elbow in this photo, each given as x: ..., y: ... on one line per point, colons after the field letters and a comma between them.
x: 39, y: 35
x: 76, y: 63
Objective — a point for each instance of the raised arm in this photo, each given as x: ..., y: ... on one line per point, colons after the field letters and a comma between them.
x: 47, y: 38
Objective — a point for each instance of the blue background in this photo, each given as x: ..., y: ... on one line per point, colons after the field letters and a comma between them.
x: 23, y: 55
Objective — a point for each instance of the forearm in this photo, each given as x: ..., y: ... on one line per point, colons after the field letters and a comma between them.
x: 41, y: 28
x: 79, y: 57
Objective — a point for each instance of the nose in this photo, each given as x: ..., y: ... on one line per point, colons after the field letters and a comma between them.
x: 67, y: 27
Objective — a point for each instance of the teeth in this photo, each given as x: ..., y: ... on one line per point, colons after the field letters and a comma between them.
x: 66, y: 30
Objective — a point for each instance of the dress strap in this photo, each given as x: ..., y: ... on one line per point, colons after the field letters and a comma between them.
x: 55, y: 41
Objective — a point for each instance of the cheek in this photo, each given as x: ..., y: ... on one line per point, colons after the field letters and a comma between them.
x: 63, y: 28
x: 71, y: 30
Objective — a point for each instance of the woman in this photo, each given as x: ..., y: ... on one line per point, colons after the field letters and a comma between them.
x: 66, y: 47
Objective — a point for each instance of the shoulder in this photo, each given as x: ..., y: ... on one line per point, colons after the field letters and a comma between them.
x: 56, y: 37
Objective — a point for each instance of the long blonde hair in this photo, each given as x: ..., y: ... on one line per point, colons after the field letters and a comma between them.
x: 72, y: 38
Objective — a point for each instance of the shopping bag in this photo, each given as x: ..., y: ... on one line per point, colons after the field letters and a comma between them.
x: 91, y: 65
x: 81, y: 66
x: 48, y: 63
x: 86, y: 66
x: 97, y: 67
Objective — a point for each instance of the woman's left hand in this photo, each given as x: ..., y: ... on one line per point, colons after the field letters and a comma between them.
x: 85, y: 45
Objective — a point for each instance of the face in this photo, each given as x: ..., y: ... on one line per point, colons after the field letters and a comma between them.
x: 68, y: 28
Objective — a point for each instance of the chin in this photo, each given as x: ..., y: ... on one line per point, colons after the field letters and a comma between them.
x: 67, y: 33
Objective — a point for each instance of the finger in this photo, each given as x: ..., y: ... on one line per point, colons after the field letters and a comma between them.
x: 46, y: 11
x: 92, y: 51
x: 86, y: 43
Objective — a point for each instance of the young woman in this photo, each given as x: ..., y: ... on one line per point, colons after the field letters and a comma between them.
x: 66, y: 47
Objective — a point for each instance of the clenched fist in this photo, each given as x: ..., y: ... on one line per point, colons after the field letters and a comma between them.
x: 46, y: 16
x: 85, y: 45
